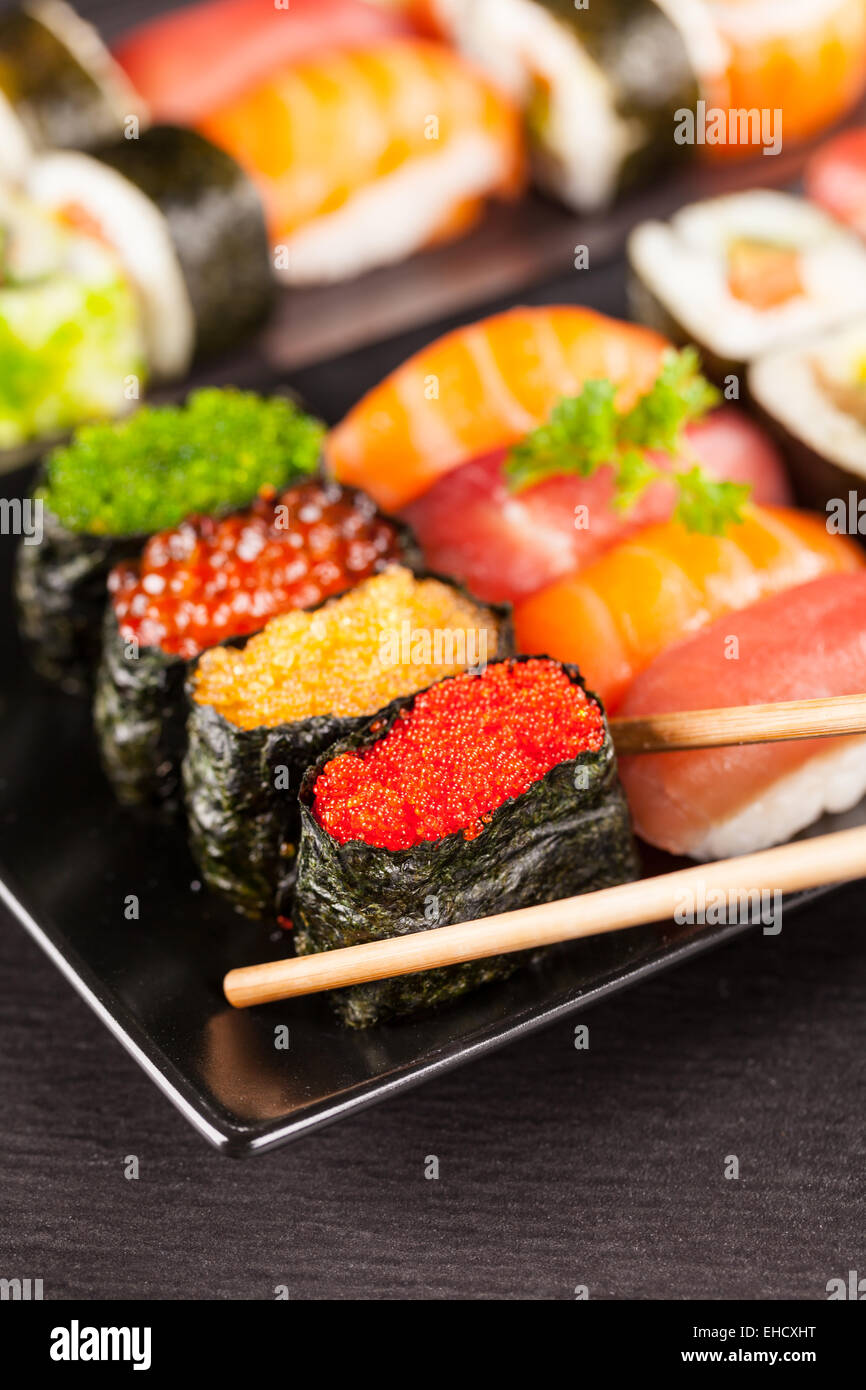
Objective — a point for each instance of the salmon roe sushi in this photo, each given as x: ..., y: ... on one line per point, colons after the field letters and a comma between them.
x: 209, y: 579
x: 462, y: 750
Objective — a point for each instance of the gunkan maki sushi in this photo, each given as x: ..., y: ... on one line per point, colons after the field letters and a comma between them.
x: 261, y: 713
x: 484, y: 793
x: 744, y: 274
x: 114, y: 485
x: 205, y: 582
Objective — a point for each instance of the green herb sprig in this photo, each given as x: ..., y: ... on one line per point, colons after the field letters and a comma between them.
x: 588, y: 432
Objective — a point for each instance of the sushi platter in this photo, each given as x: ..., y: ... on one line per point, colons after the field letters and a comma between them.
x: 308, y: 664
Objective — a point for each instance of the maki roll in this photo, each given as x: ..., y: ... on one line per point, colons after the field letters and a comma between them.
x: 59, y: 86
x: 484, y: 793
x: 207, y: 581
x: 112, y: 486
x: 261, y: 714
x: 746, y: 273
x: 70, y: 331
x: 188, y: 226
x: 813, y: 396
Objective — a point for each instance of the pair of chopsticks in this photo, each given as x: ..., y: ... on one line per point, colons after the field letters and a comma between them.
x: 803, y: 864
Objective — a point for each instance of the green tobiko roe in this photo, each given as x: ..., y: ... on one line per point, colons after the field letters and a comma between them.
x: 214, y: 454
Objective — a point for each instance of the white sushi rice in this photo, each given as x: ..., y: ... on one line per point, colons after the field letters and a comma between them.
x: 753, y: 21
x: 683, y: 263
x: 16, y: 150
x: 792, y: 387
x: 139, y: 233
x: 830, y: 782
x: 393, y: 216
x: 87, y: 48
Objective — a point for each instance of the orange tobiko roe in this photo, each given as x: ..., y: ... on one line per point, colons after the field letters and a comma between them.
x: 207, y: 579
x: 466, y: 746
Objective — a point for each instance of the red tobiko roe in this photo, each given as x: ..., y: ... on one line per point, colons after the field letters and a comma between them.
x: 465, y: 747
x: 210, y: 579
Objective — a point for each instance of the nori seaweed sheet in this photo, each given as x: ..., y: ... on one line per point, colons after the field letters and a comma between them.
x: 217, y: 225
x: 56, y: 100
x: 559, y: 838
x: 644, y: 57
x: 243, y: 829
x: 140, y: 709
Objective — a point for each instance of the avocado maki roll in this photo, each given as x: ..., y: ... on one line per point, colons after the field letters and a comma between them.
x: 205, y: 582
x: 112, y: 486
x: 59, y: 86
x: 70, y: 330
x: 745, y: 274
x: 262, y: 713
x: 486, y: 792
x: 189, y: 227
x: 813, y: 397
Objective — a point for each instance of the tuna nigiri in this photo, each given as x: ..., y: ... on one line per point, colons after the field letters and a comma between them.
x: 664, y: 583
x: 836, y: 178
x: 190, y: 61
x: 803, y: 644
x: 480, y: 389
x: 506, y: 546
x: 362, y: 157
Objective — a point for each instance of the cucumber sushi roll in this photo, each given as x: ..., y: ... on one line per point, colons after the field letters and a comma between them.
x: 744, y: 274
x: 59, y: 86
x: 70, y: 331
x: 261, y: 714
x: 813, y: 395
x: 599, y: 85
x: 208, y: 581
x: 189, y: 227
x: 112, y: 486
x: 484, y: 793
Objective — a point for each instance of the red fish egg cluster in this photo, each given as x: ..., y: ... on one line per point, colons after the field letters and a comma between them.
x: 210, y: 579
x: 465, y: 747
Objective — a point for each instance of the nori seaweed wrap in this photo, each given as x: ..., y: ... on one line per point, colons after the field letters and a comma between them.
x: 209, y: 581
x: 190, y: 227
x: 114, y: 485
x: 242, y: 774
x: 59, y: 86
x: 560, y: 829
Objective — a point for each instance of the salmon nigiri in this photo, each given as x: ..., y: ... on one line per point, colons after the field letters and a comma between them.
x: 805, y: 643
x: 482, y: 388
x: 836, y: 178
x: 362, y: 157
x: 664, y: 583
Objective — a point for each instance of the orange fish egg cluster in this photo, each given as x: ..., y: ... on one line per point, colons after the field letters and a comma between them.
x: 390, y: 636
x: 465, y: 747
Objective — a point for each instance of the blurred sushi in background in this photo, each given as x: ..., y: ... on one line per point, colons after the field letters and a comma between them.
x: 59, y: 86
x: 836, y: 178
x: 745, y: 273
x: 365, y: 156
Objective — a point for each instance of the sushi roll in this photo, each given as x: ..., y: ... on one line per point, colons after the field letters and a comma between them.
x: 599, y: 84
x: 484, y: 793
x: 112, y: 486
x: 745, y: 273
x: 188, y: 226
x: 190, y: 61
x: 402, y: 145
x: 262, y: 713
x: 814, y: 397
x: 70, y: 328
x: 807, y: 643
x: 205, y: 582
x: 663, y: 584
x: 835, y: 178
x: 59, y: 86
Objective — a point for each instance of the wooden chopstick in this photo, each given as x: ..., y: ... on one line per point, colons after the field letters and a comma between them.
x: 719, y: 728
x: 801, y: 864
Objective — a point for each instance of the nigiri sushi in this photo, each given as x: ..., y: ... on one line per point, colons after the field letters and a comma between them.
x: 363, y: 157
x: 805, y: 643
x: 616, y: 616
x: 835, y: 177
x: 190, y: 61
